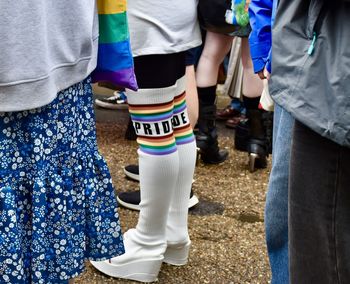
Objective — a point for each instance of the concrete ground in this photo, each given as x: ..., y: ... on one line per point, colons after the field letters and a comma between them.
x: 226, y: 227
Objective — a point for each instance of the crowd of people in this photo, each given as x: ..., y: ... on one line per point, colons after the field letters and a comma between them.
x: 58, y: 205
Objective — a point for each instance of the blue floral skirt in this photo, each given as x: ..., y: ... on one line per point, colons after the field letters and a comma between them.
x: 57, y: 201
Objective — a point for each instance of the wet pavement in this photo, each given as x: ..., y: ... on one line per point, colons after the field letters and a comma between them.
x: 226, y: 227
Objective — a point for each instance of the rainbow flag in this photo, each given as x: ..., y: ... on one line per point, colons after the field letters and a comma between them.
x: 114, y: 63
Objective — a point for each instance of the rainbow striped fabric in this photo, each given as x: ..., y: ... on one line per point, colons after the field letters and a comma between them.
x: 182, y: 129
x: 115, y: 63
x: 153, y: 127
x: 160, y: 127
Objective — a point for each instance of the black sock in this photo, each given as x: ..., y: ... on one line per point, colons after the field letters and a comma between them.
x: 207, y: 95
x: 251, y: 103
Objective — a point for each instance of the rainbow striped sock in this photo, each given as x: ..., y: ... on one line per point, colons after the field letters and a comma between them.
x: 151, y: 111
x: 182, y: 128
x: 177, y: 232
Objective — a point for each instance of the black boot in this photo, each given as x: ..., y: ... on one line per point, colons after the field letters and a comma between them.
x: 207, y: 138
x: 242, y: 135
x: 254, y: 135
x: 259, y: 143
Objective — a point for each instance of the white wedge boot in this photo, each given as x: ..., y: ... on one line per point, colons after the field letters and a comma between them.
x: 146, y: 244
x: 141, y: 261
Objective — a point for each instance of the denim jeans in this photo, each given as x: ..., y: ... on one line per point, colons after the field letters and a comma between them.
x: 319, y: 209
x: 237, y: 104
x: 276, y: 209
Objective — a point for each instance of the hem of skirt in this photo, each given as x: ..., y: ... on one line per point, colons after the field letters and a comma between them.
x: 83, y: 269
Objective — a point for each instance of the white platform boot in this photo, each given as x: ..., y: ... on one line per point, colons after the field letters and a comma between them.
x: 145, y: 245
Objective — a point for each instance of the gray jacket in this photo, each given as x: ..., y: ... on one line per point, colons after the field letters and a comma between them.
x: 45, y: 46
x: 311, y: 65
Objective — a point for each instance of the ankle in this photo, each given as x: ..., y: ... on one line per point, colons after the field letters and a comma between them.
x: 177, y: 237
x: 136, y: 242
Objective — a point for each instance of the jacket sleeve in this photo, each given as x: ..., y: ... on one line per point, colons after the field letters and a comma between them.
x: 260, y: 14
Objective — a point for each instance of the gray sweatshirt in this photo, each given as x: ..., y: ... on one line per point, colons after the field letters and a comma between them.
x: 45, y: 47
x: 163, y: 26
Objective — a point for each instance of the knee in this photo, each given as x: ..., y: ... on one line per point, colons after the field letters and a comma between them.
x: 210, y: 59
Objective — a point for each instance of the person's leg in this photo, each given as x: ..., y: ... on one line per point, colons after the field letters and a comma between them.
x: 215, y: 49
x: 191, y: 95
x: 191, y: 99
x: 192, y: 58
x: 178, y: 241
x: 157, y: 110
x: 131, y: 199
x: 319, y: 209
x: 252, y: 87
x: 276, y: 208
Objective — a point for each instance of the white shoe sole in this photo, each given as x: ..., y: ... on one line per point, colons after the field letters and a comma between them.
x: 145, y: 271
x: 131, y: 175
x: 177, y: 254
x: 110, y: 106
x: 192, y: 202
x: 135, y: 207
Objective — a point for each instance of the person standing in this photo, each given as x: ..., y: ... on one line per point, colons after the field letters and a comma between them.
x: 262, y: 14
x: 160, y: 33
x: 310, y: 80
x: 218, y: 42
x: 57, y: 201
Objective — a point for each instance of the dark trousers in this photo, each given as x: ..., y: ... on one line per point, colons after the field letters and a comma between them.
x: 159, y: 70
x: 319, y: 209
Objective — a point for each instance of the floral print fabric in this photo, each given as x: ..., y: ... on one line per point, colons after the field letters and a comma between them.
x: 57, y: 201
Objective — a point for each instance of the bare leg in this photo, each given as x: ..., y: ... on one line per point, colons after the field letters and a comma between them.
x: 215, y: 49
x: 191, y: 95
x: 252, y: 85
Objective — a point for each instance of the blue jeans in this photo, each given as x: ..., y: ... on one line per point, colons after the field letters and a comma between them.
x: 276, y: 209
x: 238, y: 105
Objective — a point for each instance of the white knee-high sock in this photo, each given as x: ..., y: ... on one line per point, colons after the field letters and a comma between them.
x: 158, y: 175
x: 151, y: 111
x: 177, y: 228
